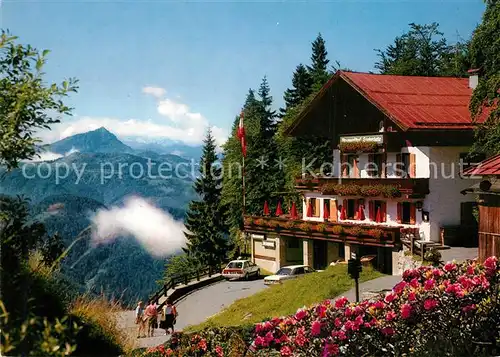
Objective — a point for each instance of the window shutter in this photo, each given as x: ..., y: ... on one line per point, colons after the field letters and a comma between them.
x: 317, y: 208
x: 333, y: 210
x: 371, y: 210
x: 399, y: 165
x: 355, y: 167
x: 383, y: 211
x: 413, y: 213
x: 356, y: 209
x: 400, y: 212
x: 413, y: 168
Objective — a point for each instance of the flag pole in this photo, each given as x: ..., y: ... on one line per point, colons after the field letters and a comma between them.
x: 243, y: 184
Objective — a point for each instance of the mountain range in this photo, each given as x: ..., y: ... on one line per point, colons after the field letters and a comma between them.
x: 97, y: 171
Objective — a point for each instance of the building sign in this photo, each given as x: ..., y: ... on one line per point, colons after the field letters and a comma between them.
x: 269, y: 244
x: 258, y: 236
x: 379, y: 139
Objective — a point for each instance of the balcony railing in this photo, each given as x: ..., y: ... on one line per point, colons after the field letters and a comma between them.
x: 365, y: 234
x: 365, y: 187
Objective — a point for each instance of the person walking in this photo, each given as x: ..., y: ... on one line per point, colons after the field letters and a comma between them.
x: 151, y: 316
x: 139, y: 319
x: 170, y: 315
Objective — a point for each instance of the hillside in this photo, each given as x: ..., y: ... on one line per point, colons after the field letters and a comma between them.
x: 101, y: 174
x: 99, y: 140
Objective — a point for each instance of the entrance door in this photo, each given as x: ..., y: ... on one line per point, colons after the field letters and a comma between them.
x: 319, y: 254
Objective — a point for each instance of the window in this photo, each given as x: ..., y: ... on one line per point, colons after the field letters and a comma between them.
x: 284, y: 271
x: 298, y: 271
x: 406, y: 213
x: 235, y: 265
x: 341, y: 250
x: 376, y: 206
x: 312, y: 202
x: 406, y: 165
x: 308, y: 270
x: 350, y: 166
x: 293, y: 243
x: 375, y: 165
x: 351, y: 209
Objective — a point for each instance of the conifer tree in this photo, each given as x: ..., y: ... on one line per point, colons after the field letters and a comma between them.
x: 301, y: 88
x: 319, y: 63
x: 206, y: 218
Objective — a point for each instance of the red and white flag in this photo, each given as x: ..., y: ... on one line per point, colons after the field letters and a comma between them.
x: 241, y: 136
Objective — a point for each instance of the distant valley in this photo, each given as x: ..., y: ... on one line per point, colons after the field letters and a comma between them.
x: 97, y: 171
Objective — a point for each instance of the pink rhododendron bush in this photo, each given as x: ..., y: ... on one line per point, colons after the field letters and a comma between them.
x: 448, y: 311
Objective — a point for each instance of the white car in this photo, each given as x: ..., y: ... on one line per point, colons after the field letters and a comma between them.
x: 241, y: 269
x: 287, y: 273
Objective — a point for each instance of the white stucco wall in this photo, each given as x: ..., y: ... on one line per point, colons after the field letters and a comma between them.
x: 445, y: 184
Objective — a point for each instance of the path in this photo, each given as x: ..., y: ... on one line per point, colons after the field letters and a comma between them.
x: 198, y: 306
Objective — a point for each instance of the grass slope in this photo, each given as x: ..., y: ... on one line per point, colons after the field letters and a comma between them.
x: 285, y: 299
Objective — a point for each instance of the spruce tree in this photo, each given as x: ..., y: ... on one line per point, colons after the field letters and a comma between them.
x: 302, y: 83
x: 206, y: 218
x: 319, y: 63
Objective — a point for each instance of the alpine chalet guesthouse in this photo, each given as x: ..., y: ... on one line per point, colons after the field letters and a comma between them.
x: 398, y: 145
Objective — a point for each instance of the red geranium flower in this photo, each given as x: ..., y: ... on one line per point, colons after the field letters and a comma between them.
x: 430, y: 304
x: 406, y: 311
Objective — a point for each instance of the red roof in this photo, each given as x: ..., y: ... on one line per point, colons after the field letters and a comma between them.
x: 487, y: 167
x: 417, y: 102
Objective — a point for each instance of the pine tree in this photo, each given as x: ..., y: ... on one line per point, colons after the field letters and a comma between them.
x: 206, y: 218
x: 301, y: 88
x: 267, y: 124
x: 319, y: 63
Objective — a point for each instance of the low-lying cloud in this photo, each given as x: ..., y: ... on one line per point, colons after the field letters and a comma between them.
x: 50, y: 156
x: 154, y: 229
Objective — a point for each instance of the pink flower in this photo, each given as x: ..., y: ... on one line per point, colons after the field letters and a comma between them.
x: 437, y: 272
x: 414, y: 283
x: 316, y: 328
x: 490, y: 265
x: 379, y: 304
x: 456, y: 290
x: 429, y: 284
x: 219, y: 351
x: 300, y: 340
x: 269, y: 337
x: 399, y: 287
x: 340, y: 335
x: 338, y: 322
x: 348, y: 312
x: 390, y: 297
x: 470, y: 270
x: 341, y: 302
x: 430, y: 304
x: 202, y: 344
x: 321, y: 311
x: 330, y: 349
x: 388, y: 331
x: 412, y: 296
x: 286, y: 351
x: 260, y: 341
x: 469, y: 308
x: 406, y: 311
x: 301, y: 314
x: 391, y: 315
x: 450, y: 267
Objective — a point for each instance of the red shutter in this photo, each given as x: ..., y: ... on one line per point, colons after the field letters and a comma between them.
x: 400, y: 212
x: 413, y: 168
x: 371, y: 210
x: 356, y: 209
x: 383, y: 211
x: 399, y: 165
x: 413, y: 213
x: 355, y: 167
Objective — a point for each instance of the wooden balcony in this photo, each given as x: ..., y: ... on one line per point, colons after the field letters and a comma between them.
x: 363, y: 234
x: 365, y: 187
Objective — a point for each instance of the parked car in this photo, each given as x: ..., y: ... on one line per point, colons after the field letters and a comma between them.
x: 241, y: 269
x: 287, y: 273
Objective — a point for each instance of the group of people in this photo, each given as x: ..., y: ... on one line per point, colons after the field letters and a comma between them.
x: 148, y: 318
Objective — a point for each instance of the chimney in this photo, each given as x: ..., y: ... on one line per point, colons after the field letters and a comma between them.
x: 473, y: 78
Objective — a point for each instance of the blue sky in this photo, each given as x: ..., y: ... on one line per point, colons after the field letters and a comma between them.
x: 205, y: 55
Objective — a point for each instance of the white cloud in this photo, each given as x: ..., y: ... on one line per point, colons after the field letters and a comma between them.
x: 179, y: 124
x: 50, y: 156
x: 154, y: 91
x: 153, y: 228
